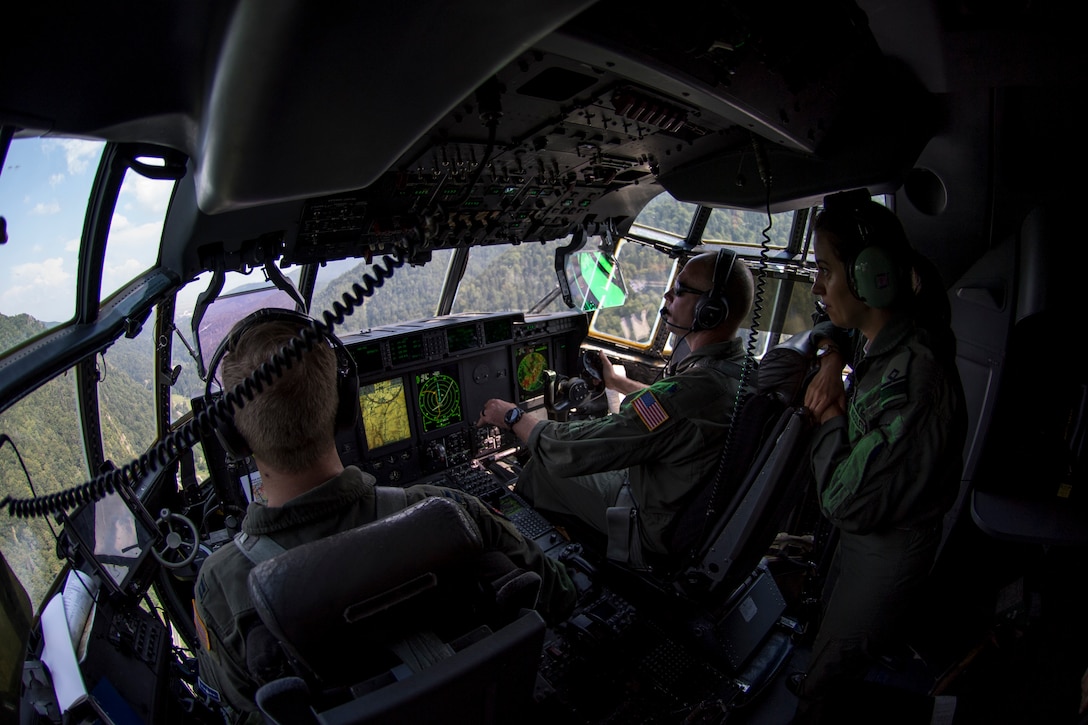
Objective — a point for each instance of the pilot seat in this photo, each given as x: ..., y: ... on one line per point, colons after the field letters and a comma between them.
x: 719, y: 585
x: 398, y: 620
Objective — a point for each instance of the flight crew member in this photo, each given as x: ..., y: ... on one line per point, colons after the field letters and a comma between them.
x: 887, y: 455
x: 290, y: 429
x: 665, y: 439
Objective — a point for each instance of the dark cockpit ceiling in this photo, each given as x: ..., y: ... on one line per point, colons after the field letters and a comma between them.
x: 337, y: 128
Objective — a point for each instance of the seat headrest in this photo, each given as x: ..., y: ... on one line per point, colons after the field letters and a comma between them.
x: 785, y: 367
x: 330, y: 599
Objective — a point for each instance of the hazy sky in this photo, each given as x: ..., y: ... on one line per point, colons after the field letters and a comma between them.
x: 44, y: 187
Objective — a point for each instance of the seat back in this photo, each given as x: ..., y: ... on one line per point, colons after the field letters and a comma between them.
x: 772, y: 488
x: 757, y: 415
x: 724, y: 532
x: 754, y: 444
x: 348, y: 606
x: 730, y: 527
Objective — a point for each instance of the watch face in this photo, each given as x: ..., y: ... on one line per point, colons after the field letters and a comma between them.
x: 512, y: 416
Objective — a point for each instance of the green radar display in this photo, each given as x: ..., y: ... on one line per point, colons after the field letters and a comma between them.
x: 439, y: 399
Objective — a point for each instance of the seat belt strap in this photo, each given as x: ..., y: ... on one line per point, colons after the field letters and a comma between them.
x: 389, y: 500
x: 257, y: 548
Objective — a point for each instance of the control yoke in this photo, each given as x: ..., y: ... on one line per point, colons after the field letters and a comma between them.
x: 562, y: 393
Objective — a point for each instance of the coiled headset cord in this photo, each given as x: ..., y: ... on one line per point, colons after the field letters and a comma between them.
x: 750, y: 349
x: 182, y: 439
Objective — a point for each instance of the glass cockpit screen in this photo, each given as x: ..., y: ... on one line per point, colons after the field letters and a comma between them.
x: 439, y: 398
x: 530, y: 362
x: 385, y: 413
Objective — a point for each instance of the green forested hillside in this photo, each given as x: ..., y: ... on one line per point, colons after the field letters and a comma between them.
x: 408, y: 295
x: 499, y: 278
x: 45, y: 431
x: 746, y: 227
x: 505, y: 278
x: 44, y: 428
x: 665, y: 213
x: 645, y: 274
x: 732, y: 226
x: 17, y: 329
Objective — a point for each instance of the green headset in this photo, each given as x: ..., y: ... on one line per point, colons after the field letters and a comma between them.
x: 876, y: 275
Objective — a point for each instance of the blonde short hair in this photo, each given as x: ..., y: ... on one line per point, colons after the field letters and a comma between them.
x: 291, y: 421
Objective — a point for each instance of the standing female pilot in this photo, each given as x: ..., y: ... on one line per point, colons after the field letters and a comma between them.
x: 887, y: 453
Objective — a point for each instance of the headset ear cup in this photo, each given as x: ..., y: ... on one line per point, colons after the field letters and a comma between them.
x: 347, y: 389
x: 876, y: 277
x: 712, y: 309
x: 709, y: 313
x: 231, y: 440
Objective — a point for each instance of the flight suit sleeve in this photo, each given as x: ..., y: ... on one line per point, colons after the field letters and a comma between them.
x: 888, y: 475
x: 558, y: 594
x: 647, y: 423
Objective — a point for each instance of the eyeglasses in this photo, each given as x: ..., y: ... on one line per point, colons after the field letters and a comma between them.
x: 679, y: 290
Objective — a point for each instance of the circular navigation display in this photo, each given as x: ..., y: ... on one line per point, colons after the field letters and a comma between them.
x: 531, y: 372
x: 439, y: 401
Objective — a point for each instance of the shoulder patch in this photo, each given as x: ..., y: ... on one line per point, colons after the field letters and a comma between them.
x: 651, y: 412
x: 201, y: 630
x: 208, y: 691
x: 664, y: 386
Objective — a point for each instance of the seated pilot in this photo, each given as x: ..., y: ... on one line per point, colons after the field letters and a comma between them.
x: 665, y: 439
x: 290, y: 429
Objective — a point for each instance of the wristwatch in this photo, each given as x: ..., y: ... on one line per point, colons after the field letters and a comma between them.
x: 512, y: 417
x: 825, y: 349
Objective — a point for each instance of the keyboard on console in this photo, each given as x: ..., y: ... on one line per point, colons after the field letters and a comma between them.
x: 527, y: 520
x: 474, y: 479
x: 493, y: 488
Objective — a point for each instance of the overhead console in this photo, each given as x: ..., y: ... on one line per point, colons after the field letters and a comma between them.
x: 422, y: 385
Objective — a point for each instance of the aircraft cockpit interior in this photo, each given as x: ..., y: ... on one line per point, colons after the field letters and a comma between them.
x: 512, y: 207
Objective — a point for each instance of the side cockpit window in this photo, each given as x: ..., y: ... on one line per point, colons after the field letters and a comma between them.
x: 44, y: 187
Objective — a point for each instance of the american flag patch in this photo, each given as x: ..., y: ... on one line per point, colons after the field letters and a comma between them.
x: 651, y: 412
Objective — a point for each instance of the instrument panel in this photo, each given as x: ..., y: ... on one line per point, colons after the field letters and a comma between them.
x: 422, y: 385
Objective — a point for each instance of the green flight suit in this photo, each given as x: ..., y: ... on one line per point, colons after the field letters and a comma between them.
x: 227, y: 623
x: 666, y: 439
x: 886, y: 473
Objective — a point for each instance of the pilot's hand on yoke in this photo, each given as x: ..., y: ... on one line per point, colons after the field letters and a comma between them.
x: 615, y: 379
x: 612, y: 378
